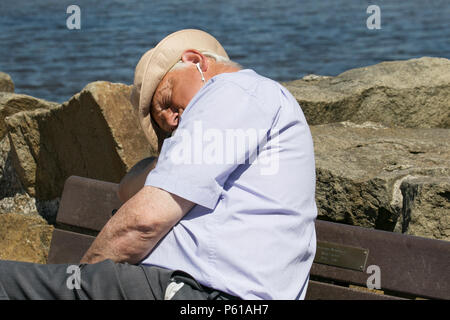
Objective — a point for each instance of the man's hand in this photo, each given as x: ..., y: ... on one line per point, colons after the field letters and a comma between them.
x: 131, y: 234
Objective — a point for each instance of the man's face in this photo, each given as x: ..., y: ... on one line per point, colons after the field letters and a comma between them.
x: 172, y: 96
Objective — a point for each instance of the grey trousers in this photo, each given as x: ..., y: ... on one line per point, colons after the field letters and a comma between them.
x: 105, y: 280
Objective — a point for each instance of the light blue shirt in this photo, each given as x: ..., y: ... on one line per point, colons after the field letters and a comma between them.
x: 243, y: 152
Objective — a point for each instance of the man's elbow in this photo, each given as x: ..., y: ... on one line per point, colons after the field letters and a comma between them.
x: 134, y: 180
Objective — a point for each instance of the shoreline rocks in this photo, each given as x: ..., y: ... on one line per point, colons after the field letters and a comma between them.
x: 92, y: 135
x: 367, y: 165
x: 11, y: 103
x: 361, y: 172
x: 413, y: 93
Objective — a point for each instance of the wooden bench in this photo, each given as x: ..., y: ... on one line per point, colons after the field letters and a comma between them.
x: 409, y: 267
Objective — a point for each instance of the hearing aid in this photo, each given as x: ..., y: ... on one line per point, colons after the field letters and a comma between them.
x: 200, y: 70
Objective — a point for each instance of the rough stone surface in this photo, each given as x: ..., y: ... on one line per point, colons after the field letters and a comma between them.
x: 426, y: 207
x: 95, y: 134
x: 361, y: 167
x: 413, y: 93
x: 13, y: 197
x: 6, y: 83
x: 19, y: 203
x: 24, y: 237
x: 22, y: 203
x: 11, y: 103
x: 9, y: 181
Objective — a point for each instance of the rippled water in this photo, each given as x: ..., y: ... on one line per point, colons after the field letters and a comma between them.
x: 284, y: 40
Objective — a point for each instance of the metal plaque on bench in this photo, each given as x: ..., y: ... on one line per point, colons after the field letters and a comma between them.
x: 342, y: 256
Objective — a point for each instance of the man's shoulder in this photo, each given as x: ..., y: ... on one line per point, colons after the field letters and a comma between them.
x: 248, y: 82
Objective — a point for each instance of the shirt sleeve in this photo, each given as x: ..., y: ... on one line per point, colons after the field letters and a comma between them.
x: 220, y: 129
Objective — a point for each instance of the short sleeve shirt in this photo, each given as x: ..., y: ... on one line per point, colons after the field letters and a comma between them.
x: 243, y: 153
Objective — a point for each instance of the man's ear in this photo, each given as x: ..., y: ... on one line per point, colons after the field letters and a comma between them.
x: 194, y: 56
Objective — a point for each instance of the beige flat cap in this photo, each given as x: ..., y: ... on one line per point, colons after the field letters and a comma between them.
x: 155, y: 63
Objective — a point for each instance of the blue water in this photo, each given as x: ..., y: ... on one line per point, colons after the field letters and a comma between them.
x: 281, y: 39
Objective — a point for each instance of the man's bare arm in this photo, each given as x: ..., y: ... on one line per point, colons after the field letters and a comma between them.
x: 131, y: 234
x: 134, y: 180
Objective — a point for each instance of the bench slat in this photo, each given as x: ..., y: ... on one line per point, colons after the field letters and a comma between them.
x: 326, y: 291
x: 408, y: 264
x: 68, y: 247
x: 87, y: 203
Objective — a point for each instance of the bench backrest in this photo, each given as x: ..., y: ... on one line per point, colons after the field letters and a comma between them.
x: 85, y: 207
x: 347, y: 256
x: 407, y: 266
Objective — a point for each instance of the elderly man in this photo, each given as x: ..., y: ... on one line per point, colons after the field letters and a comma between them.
x: 212, y: 218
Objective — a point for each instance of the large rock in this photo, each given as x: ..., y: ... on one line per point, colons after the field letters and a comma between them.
x: 24, y: 237
x: 11, y: 103
x: 95, y: 134
x: 413, y: 93
x: 6, y: 83
x: 426, y: 207
x: 361, y: 167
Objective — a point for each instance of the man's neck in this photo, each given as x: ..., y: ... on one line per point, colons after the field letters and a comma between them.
x: 218, y: 68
